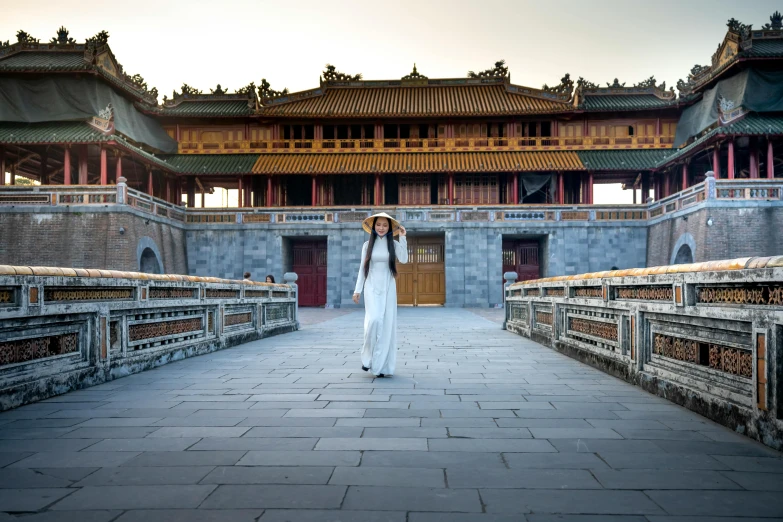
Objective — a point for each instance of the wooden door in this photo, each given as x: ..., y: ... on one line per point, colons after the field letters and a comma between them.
x: 422, y: 281
x: 521, y: 256
x: 310, y: 265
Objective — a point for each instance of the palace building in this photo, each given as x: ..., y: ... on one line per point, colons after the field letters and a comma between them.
x: 488, y: 176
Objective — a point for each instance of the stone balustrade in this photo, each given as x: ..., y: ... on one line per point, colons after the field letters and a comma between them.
x: 63, y: 329
x: 707, y: 336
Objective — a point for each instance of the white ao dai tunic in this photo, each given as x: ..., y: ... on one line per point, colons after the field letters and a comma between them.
x: 379, y: 351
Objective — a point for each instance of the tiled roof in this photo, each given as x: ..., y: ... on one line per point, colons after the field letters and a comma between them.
x: 624, y: 102
x: 764, y: 49
x: 416, y: 162
x: 622, y: 159
x: 51, y: 132
x: 70, y: 132
x: 207, y: 109
x: 211, y: 163
x: 462, y: 100
x: 44, y: 61
x: 753, y: 124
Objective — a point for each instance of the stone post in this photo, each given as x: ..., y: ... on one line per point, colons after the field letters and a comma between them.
x: 709, y: 182
x: 510, y: 278
x: 121, y: 190
x: 291, y: 278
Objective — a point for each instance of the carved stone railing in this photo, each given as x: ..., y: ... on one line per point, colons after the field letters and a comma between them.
x: 63, y: 328
x: 708, y: 336
x: 91, y: 196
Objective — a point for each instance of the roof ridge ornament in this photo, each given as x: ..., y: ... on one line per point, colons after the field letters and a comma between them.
x: 25, y: 37
x: 616, y: 84
x: 104, y: 121
x: 499, y: 71
x: 776, y: 22
x: 265, y: 91
x: 62, y: 37
x: 414, y: 75
x: 566, y: 86
x: 330, y: 74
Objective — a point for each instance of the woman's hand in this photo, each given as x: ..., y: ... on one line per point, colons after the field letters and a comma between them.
x: 402, y: 231
x: 356, y: 298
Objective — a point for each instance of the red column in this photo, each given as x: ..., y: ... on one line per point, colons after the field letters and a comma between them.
x: 515, y: 198
x: 314, y: 192
x: 2, y: 166
x: 104, y: 168
x: 685, y: 174
x: 83, y: 165
x: 269, y: 191
x: 666, y: 185
x: 66, y: 166
x: 378, y: 190
x: 590, y: 188
x: 118, y: 169
x: 770, y: 160
x: 730, y: 165
x: 560, y: 188
x: 240, y: 198
x: 451, y: 188
x: 149, y: 183
x: 716, y: 161
x: 754, y: 159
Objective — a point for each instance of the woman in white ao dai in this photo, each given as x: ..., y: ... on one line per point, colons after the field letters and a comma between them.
x: 379, y: 351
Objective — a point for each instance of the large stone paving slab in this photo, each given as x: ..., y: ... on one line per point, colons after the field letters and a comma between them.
x: 477, y: 425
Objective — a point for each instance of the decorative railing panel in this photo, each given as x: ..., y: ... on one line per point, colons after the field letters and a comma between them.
x: 704, y: 335
x: 61, y: 331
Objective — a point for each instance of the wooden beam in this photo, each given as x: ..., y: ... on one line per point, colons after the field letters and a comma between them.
x: 67, y: 166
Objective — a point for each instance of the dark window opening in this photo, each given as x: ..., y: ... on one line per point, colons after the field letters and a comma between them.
x: 149, y: 263
x: 347, y: 190
x: 405, y: 132
x: 296, y: 132
x: 297, y: 191
x: 546, y: 129
x: 309, y: 132
x: 630, y: 130
x: 390, y: 132
x: 342, y: 132
x: 356, y: 132
x: 328, y: 132
x: 286, y: 132
x: 684, y: 255
x: 369, y: 132
x: 392, y: 196
x: 435, y: 182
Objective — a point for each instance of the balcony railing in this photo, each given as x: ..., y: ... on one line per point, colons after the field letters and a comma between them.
x: 431, y: 144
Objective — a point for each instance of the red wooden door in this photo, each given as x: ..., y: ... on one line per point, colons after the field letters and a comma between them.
x: 521, y: 256
x: 310, y: 265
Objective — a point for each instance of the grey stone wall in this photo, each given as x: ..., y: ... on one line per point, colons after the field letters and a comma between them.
x: 739, y: 229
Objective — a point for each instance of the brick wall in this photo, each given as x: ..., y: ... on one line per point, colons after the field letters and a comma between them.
x: 735, y: 232
x: 87, y: 240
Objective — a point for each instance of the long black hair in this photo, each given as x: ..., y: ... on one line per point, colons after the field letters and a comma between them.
x: 389, y: 237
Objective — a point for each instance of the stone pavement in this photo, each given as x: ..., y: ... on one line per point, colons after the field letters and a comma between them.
x: 477, y: 425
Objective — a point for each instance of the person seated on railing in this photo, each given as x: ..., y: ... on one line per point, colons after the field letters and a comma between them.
x: 270, y: 278
x: 246, y: 276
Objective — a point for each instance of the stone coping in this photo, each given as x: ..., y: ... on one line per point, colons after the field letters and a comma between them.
x: 742, y: 263
x: 117, y: 274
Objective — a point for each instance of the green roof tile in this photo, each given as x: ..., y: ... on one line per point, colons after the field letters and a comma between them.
x: 622, y: 159
x: 765, y: 49
x: 51, y: 132
x: 50, y: 61
x: 753, y: 124
x: 212, y: 163
x: 208, y: 109
x: 624, y: 102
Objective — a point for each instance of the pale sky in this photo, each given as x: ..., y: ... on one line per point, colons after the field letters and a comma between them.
x: 234, y: 42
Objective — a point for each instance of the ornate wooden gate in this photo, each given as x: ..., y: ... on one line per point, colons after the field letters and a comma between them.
x: 310, y: 265
x: 422, y: 281
x: 521, y: 256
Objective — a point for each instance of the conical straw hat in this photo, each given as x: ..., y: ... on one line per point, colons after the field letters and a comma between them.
x: 367, y: 223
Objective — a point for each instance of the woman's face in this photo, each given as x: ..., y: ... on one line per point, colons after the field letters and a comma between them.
x: 381, y: 226
x: 268, y: 279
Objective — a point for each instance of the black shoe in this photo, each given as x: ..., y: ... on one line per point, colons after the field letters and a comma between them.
x: 381, y: 375
x: 365, y: 368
